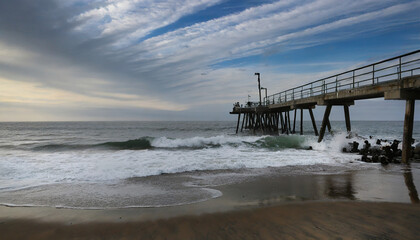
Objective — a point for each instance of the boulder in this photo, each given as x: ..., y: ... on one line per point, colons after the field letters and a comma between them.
x: 416, y: 148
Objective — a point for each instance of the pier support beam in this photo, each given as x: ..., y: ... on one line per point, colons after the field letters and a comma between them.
x: 237, y: 125
x: 294, y: 122
x: 243, y: 121
x: 347, y: 115
x: 281, y: 122
x: 325, y: 121
x: 408, y: 130
x: 247, y: 121
x: 301, y: 121
x: 251, y: 121
x: 313, y: 122
x: 329, y: 125
x: 261, y: 122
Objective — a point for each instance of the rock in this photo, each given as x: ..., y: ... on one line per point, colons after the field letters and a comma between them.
x: 417, y: 148
x: 383, y: 159
x: 383, y: 154
x: 364, y: 158
x: 367, y: 145
x: 354, y: 147
x: 394, y: 145
x: 375, y: 150
x: 389, y: 153
x: 363, y: 151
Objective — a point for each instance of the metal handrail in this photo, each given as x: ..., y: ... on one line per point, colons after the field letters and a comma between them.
x: 357, y: 78
x: 248, y: 105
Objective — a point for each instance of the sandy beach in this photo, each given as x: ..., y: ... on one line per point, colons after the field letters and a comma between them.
x: 369, y: 204
x: 316, y: 220
x: 209, y: 119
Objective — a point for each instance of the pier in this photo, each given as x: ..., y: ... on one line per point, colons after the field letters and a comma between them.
x: 396, y: 78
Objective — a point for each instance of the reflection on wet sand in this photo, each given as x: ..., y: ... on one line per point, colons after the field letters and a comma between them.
x: 368, y: 186
x: 280, y: 189
x: 340, y: 186
x: 412, y: 192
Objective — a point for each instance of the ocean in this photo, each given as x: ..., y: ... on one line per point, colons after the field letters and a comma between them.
x: 100, y: 165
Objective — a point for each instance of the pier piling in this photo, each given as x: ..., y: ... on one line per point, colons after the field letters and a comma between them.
x: 347, y: 116
x: 301, y: 121
x: 237, y: 125
x: 243, y: 121
x: 408, y: 130
x: 329, y: 125
x: 325, y: 122
x: 313, y: 122
x: 282, y: 122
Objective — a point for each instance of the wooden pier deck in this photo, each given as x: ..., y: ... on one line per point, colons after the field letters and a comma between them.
x: 396, y: 78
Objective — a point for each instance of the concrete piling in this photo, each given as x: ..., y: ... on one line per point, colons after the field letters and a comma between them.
x: 313, y: 122
x: 301, y: 121
x: 408, y: 130
x: 325, y: 122
x: 347, y: 117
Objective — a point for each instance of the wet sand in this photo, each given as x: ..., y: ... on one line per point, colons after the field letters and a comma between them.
x: 368, y: 204
x: 315, y: 220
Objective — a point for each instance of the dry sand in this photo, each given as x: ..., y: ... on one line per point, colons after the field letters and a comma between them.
x: 310, y: 220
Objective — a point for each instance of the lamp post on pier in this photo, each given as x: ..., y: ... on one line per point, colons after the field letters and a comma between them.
x: 259, y: 86
x: 265, y: 94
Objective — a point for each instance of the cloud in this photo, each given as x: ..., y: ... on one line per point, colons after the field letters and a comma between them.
x: 134, y: 19
x: 110, y: 53
x: 31, y: 94
x: 256, y: 31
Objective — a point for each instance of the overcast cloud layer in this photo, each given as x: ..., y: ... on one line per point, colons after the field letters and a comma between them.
x: 191, y: 59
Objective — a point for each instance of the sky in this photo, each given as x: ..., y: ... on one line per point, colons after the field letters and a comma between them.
x: 107, y: 60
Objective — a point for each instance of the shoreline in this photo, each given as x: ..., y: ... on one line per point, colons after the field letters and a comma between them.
x: 309, y: 202
x: 238, y: 189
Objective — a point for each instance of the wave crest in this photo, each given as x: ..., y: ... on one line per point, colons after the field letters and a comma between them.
x: 144, y: 143
x: 135, y: 144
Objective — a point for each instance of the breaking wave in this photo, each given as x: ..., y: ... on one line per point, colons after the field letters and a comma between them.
x: 150, y: 143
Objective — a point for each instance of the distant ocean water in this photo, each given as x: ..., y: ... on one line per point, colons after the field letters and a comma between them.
x: 138, y: 164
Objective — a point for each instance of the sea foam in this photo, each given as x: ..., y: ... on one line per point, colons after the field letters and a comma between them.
x: 169, y: 156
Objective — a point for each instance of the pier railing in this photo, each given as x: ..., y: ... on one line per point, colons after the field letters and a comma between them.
x: 390, y: 69
x: 247, y: 105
